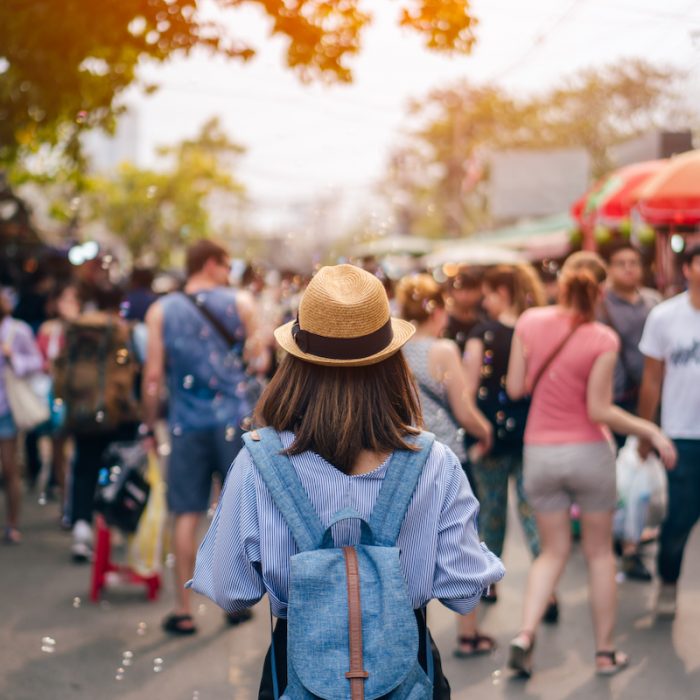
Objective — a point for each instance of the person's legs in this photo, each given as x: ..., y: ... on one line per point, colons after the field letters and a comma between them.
x: 33, y: 457
x: 86, y: 469
x: 555, y: 542
x: 58, y: 460
x: 597, y: 548
x: 683, y: 510
x: 555, y: 538
x: 189, y: 485
x: 185, y: 550
x: 10, y: 472
x: 525, y: 510
x: 491, y: 478
x: 89, y: 450
x: 470, y: 641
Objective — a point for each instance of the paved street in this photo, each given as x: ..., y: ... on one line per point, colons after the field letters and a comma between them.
x: 41, y: 588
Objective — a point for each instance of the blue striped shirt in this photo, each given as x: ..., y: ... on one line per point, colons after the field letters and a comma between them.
x: 246, y: 551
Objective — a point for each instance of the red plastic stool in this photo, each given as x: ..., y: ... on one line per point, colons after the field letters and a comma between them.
x: 102, y: 565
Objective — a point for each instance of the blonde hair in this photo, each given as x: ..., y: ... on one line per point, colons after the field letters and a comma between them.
x: 418, y: 296
x: 579, y: 284
x: 521, y: 282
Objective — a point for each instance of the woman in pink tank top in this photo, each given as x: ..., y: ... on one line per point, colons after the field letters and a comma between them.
x: 565, y: 360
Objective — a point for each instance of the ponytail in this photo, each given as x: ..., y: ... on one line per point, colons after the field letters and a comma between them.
x: 580, y: 281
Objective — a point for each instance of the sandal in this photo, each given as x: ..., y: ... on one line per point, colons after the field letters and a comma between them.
x: 12, y: 536
x: 174, y: 624
x: 237, y: 618
x: 618, y: 662
x: 490, y: 596
x: 551, y: 613
x: 478, y: 645
x: 520, y: 656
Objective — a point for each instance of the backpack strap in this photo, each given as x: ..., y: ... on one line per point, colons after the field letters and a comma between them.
x: 285, y: 487
x: 396, y: 491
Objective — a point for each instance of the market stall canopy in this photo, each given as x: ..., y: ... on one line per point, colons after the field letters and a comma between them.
x: 672, y: 196
x: 613, y: 200
x: 579, y: 210
x: 549, y: 237
x: 471, y: 253
x: 393, y: 245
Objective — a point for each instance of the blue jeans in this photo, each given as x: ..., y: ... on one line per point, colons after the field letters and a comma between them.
x: 683, y: 509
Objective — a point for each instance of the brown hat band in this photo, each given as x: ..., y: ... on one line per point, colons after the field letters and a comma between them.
x: 343, y: 348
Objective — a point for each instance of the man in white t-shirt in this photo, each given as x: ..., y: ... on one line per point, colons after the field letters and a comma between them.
x: 671, y: 346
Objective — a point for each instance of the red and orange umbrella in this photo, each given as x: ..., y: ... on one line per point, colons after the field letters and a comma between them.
x: 610, y: 200
x: 613, y: 202
x: 672, y: 196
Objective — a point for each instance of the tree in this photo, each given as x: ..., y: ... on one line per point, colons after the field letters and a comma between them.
x: 437, y: 177
x: 157, y: 213
x: 64, y: 64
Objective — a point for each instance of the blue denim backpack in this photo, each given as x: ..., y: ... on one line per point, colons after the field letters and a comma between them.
x: 352, y: 632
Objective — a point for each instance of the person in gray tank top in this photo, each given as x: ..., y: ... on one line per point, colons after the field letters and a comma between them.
x: 449, y: 408
x: 203, y: 344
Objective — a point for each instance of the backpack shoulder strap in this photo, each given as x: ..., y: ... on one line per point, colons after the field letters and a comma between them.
x: 285, y: 487
x: 396, y: 491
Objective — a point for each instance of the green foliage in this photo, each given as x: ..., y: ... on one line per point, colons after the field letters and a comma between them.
x: 64, y: 63
x: 436, y: 179
x: 157, y: 213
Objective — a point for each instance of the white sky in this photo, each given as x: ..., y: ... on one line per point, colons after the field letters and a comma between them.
x: 309, y: 141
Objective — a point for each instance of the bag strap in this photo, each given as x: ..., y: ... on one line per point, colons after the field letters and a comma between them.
x: 553, y: 356
x: 198, y: 302
x: 356, y: 674
x: 397, y: 489
x: 285, y: 487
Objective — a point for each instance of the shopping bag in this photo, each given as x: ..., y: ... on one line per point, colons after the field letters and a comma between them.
x: 642, y: 491
x: 122, y: 488
x: 28, y: 398
x: 148, y: 545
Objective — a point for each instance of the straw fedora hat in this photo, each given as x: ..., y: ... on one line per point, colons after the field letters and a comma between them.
x: 344, y: 320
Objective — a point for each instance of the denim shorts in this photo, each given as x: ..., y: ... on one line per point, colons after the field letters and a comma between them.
x: 195, y: 457
x: 556, y: 476
x: 8, y: 429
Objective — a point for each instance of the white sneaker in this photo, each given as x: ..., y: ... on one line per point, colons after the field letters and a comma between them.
x: 81, y: 552
x: 81, y: 549
x: 666, y: 600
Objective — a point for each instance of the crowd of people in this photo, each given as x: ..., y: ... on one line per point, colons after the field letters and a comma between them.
x: 515, y: 385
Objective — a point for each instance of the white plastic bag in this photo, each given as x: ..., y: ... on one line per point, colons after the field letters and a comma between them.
x: 642, y: 491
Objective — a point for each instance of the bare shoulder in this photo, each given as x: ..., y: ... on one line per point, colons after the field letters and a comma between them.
x: 245, y: 300
x: 446, y: 349
x: 154, y: 315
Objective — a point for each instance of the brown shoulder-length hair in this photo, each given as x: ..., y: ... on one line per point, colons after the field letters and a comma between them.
x: 520, y: 281
x: 339, y: 411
